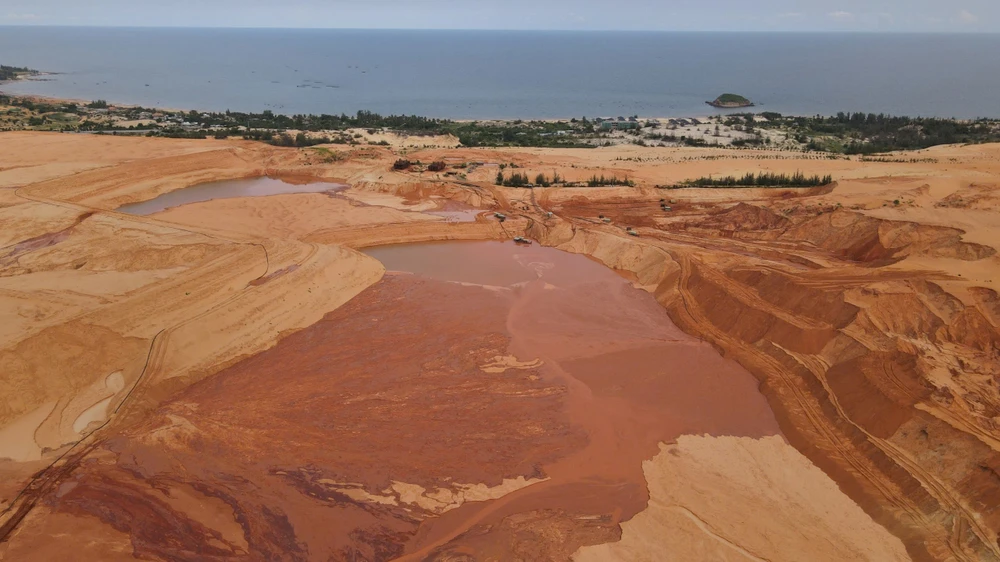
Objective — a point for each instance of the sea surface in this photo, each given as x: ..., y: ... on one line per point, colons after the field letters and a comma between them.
x: 510, y: 74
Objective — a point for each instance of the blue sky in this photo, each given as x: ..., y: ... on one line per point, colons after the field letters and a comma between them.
x: 677, y: 15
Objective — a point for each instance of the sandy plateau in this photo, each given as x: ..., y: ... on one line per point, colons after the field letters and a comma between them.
x: 760, y: 374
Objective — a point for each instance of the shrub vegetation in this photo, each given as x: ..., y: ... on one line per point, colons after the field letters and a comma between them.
x: 595, y: 181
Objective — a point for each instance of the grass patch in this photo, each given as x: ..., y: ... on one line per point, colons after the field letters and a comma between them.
x: 328, y: 156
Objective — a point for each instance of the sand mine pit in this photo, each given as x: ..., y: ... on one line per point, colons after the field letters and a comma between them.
x: 380, y: 373
x: 481, y: 397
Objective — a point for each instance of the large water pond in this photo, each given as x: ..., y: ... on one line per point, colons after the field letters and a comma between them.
x: 596, y: 331
x: 252, y: 187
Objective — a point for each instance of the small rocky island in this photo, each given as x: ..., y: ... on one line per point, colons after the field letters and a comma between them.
x: 729, y: 101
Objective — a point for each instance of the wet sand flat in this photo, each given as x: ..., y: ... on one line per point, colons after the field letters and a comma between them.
x: 453, y: 211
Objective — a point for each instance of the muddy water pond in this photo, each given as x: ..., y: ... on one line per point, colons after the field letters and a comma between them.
x: 632, y: 379
x: 598, y: 334
x: 251, y: 187
x: 592, y: 327
x: 489, y: 263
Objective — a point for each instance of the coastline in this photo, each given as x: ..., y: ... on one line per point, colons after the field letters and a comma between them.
x: 725, y: 110
x: 60, y: 100
x: 125, y: 105
x: 28, y: 76
x: 837, y: 136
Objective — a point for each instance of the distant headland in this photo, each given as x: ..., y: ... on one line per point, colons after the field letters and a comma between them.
x: 730, y: 101
x: 15, y: 72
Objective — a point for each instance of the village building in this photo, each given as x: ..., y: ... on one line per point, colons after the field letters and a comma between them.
x: 620, y: 125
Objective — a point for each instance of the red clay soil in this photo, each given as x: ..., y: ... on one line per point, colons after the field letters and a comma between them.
x: 390, y: 389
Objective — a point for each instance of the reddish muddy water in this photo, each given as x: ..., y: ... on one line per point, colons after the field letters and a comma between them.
x: 500, y: 264
x: 483, y: 399
x: 632, y: 378
x: 251, y: 187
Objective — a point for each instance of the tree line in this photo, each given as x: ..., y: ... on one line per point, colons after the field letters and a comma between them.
x: 519, y: 179
x: 308, y: 122
x: 762, y: 179
x: 870, y: 133
x: 602, y: 181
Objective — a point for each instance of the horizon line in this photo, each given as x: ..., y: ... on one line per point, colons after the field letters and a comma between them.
x: 552, y: 30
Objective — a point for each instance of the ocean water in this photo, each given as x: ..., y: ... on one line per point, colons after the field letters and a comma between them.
x: 510, y: 74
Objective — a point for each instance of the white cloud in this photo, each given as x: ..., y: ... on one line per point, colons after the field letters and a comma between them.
x: 967, y: 17
x: 20, y: 17
x: 878, y: 20
x: 790, y: 15
x: 841, y: 16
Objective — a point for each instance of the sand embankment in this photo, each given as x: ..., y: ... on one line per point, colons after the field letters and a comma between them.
x: 738, y: 498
